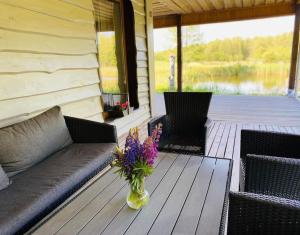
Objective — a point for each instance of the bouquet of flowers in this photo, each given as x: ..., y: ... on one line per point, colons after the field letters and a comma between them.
x: 135, y: 163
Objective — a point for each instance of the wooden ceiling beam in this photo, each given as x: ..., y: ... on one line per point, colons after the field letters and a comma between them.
x: 226, y: 15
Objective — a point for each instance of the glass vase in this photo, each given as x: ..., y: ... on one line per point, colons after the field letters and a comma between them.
x: 137, y: 198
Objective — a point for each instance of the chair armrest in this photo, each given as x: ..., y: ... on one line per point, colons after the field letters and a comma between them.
x: 204, y: 133
x: 208, y: 123
x: 85, y: 131
x: 251, y: 213
x: 268, y: 144
x: 273, y: 176
x: 157, y: 120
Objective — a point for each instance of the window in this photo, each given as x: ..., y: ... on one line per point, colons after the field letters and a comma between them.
x: 110, y: 49
x: 115, y: 25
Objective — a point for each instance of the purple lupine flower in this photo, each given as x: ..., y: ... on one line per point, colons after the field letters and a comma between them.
x: 150, y: 146
x: 133, y: 150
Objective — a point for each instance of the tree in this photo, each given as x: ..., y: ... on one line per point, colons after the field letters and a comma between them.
x: 191, y: 35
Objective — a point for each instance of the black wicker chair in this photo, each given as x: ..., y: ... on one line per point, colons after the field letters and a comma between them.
x: 267, y: 144
x: 261, y: 214
x: 185, y: 123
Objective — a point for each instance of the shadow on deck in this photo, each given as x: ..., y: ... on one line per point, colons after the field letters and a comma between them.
x: 230, y: 114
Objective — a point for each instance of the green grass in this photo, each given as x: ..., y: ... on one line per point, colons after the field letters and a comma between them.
x: 227, y: 77
x: 219, y: 77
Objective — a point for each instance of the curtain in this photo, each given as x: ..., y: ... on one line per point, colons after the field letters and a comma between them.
x: 131, y: 54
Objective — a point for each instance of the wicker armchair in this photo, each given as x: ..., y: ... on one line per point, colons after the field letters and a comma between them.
x: 261, y: 214
x: 267, y: 144
x: 185, y: 124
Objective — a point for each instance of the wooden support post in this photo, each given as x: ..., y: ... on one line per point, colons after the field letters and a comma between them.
x: 179, y: 54
x: 295, y: 50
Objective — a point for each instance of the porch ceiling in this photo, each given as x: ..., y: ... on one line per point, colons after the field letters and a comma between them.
x: 212, y: 11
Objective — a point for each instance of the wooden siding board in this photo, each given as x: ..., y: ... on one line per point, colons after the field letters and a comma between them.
x: 14, y: 18
x: 26, y: 105
x: 11, y: 62
x: 83, y: 108
x: 55, y: 8
x: 28, y: 84
x: 84, y: 4
x: 11, y: 41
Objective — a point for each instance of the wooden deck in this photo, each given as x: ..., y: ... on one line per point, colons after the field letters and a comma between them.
x: 230, y: 114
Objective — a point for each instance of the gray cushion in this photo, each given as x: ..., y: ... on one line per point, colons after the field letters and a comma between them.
x: 37, y: 189
x: 4, y: 180
x: 26, y: 143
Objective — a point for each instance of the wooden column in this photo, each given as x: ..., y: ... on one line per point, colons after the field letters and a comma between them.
x: 295, y: 50
x: 179, y: 54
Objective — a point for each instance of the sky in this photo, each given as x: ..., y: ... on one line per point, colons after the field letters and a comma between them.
x: 244, y: 29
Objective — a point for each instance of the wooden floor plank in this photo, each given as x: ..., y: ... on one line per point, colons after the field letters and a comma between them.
x: 210, y: 140
x: 276, y: 128
x: 236, y: 159
x: 231, y: 141
x: 224, y: 141
x: 212, y: 210
x: 217, y: 141
x: 282, y: 129
x: 147, y: 215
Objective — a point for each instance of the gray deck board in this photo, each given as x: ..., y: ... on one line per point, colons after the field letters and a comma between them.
x: 167, y: 218
x: 212, y: 210
x: 190, y: 214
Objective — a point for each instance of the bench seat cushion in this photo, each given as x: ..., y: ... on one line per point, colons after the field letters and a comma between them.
x: 24, y: 144
x: 38, y: 190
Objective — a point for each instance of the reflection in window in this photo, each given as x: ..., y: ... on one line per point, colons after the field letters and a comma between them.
x: 110, y: 50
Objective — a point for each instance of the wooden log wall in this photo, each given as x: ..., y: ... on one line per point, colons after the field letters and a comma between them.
x: 48, y: 57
